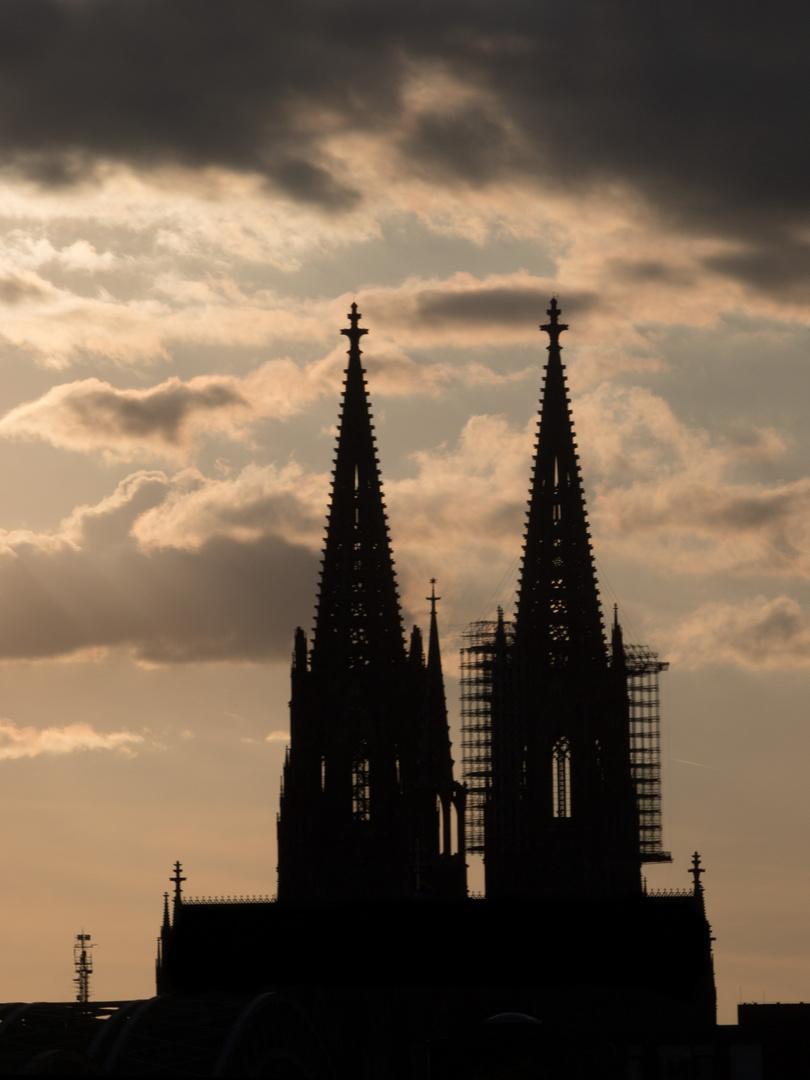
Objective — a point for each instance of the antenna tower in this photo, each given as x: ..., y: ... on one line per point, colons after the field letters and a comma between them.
x: 83, y: 963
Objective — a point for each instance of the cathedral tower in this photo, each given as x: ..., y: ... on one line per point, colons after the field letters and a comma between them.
x: 561, y: 818
x: 367, y: 788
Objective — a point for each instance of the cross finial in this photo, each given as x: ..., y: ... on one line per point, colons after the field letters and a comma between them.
x: 696, y: 871
x: 354, y: 332
x: 554, y: 327
x: 178, y: 881
x: 433, y: 597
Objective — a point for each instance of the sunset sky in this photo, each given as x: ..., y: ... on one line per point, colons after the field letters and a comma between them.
x: 192, y: 194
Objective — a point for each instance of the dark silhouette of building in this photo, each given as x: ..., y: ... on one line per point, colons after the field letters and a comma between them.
x: 368, y: 784
x: 372, y: 961
x: 562, y: 819
x: 368, y: 792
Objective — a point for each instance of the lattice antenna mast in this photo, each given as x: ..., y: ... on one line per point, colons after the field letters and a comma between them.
x: 83, y: 965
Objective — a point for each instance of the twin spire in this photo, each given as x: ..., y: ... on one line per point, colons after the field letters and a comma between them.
x: 558, y: 611
x: 368, y: 783
x: 358, y: 620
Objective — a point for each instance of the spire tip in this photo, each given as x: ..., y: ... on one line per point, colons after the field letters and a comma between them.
x: 433, y: 597
x: 354, y: 332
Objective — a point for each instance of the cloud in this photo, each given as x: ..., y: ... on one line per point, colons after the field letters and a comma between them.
x: 170, y: 420
x: 234, y: 594
x: 91, y: 415
x: 666, y: 495
x: 771, y: 267
x: 494, y: 305
x: 757, y: 633
x: 463, y: 311
x: 17, y: 288
x: 278, y: 736
x: 257, y: 502
x: 459, y: 519
x: 17, y: 742
x: 191, y: 568
x: 698, y: 115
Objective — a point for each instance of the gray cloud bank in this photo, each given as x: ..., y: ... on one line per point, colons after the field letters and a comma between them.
x: 702, y: 107
x: 234, y: 593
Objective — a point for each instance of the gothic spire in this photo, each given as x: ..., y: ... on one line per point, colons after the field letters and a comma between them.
x: 618, y: 661
x: 558, y: 614
x: 369, y: 747
x: 358, y: 618
x: 439, y: 736
x: 434, y: 660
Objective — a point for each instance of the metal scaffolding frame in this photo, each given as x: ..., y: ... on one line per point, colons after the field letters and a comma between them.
x: 643, y: 669
x: 476, y: 716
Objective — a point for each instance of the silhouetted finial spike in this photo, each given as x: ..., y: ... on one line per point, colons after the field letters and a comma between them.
x: 554, y: 327
x: 500, y: 632
x: 696, y: 871
x: 178, y: 881
x: 354, y: 332
x: 433, y: 597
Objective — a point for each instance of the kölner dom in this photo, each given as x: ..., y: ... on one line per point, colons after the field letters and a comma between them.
x: 373, y: 960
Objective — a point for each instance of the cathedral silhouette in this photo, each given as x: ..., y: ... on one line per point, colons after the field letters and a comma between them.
x: 372, y: 887
x: 373, y: 960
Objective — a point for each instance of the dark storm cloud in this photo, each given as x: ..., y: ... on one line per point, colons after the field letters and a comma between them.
x: 468, y: 142
x: 773, y: 267
x: 160, y: 412
x: 230, y: 600
x: 495, y: 305
x: 702, y: 107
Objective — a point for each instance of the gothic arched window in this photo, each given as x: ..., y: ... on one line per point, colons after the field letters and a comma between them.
x: 561, y: 778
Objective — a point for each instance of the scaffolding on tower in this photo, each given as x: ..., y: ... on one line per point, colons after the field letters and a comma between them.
x: 476, y: 722
x: 643, y: 669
